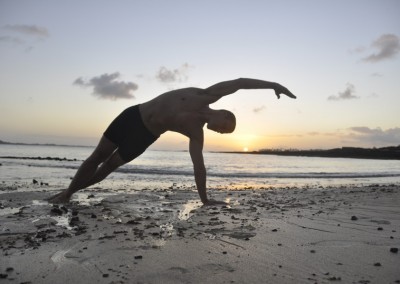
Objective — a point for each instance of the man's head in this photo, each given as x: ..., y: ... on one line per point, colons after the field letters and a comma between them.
x: 222, y: 121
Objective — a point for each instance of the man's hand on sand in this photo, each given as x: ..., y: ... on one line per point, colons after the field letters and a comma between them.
x: 212, y: 202
x: 279, y: 89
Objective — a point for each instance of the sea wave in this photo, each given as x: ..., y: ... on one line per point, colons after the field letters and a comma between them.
x: 237, y: 173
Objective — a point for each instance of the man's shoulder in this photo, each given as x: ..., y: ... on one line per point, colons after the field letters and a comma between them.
x: 186, y: 91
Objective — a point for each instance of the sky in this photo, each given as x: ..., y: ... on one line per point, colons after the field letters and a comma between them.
x: 69, y: 67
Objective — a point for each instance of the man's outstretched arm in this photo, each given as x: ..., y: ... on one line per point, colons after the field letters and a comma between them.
x: 217, y: 91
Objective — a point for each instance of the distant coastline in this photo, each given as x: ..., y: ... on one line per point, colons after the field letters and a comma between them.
x: 41, y: 144
x: 384, y: 153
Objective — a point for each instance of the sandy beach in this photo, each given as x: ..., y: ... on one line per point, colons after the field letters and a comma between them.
x: 289, y: 235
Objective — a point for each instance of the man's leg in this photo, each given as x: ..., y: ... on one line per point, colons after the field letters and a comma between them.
x: 110, y: 165
x: 88, y: 171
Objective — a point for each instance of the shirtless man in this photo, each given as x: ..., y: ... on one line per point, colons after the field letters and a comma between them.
x: 185, y: 111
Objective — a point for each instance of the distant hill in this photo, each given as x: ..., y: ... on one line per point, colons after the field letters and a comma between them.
x: 38, y: 144
x: 12, y: 143
x: 385, y: 153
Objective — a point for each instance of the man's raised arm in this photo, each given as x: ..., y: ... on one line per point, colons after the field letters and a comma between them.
x: 217, y: 91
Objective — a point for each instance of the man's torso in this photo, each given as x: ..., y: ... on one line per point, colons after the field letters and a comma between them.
x: 178, y: 111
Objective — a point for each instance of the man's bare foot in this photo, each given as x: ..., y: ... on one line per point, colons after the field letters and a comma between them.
x: 212, y: 202
x: 59, y: 198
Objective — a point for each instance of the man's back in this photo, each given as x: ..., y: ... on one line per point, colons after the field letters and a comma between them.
x: 174, y: 110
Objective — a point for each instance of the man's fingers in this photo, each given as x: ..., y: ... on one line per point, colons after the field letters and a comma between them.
x: 289, y: 94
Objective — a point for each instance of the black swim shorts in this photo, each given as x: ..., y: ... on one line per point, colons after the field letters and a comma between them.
x: 130, y: 134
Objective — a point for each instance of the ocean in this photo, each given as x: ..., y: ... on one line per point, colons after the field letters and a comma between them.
x: 168, y: 169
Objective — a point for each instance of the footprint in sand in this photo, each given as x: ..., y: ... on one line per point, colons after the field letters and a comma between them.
x: 65, y: 257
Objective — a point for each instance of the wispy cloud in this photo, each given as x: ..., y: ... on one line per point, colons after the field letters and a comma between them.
x: 376, y: 74
x: 259, y: 109
x: 357, y: 136
x: 180, y: 74
x: 12, y: 40
x: 24, y: 36
x: 30, y: 30
x: 347, y: 94
x: 387, y: 46
x: 377, y: 136
x: 105, y: 86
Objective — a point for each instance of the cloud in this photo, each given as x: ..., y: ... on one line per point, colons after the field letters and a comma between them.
x: 166, y: 75
x: 359, y: 49
x: 377, y: 136
x: 106, y: 87
x: 16, y: 42
x: 23, y: 36
x: 259, y: 109
x: 387, y: 46
x: 30, y: 30
x: 12, y: 40
x: 376, y: 74
x: 347, y: 94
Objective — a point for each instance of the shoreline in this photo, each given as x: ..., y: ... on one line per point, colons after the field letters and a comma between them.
x: 287, y: 235
x: 382, y: 153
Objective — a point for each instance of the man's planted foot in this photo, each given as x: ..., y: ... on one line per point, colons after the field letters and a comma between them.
x: 59, y: 198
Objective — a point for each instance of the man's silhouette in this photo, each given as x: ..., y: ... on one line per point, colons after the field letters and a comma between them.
x: 185, y: 111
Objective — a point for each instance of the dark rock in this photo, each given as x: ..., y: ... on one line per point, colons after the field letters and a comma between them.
x: 354, y: 218
x: 138, y: 257
x: 377, y: 264
x: 394, y: 250
x: 334, y: 278
x: 74, y: 221
x: 63, y: 235
x: 56, y: 211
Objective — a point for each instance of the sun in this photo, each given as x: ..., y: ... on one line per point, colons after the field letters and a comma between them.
x: 245, y: 149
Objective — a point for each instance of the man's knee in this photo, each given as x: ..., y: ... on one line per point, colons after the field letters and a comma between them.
x: 94, y: 159
x: 114, y: 161
x: 103, y: 151
x: 99, y: 156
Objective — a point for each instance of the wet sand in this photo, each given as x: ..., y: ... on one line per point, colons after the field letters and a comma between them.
x: 291, y: 235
